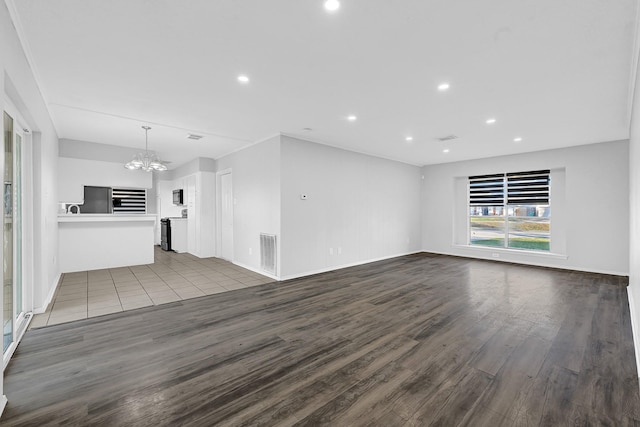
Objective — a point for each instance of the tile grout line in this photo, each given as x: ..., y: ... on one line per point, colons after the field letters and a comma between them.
x: 182, y: 267
x: 143, y: 288
x: 116, y: 289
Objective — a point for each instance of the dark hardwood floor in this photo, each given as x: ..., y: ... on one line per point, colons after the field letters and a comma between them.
x: 413, y: 341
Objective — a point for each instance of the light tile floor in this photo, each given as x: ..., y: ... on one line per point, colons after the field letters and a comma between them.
x: 172, y: 277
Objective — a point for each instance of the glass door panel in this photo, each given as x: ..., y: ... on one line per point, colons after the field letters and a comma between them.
x: 7, y: 236
x: 17, y: 227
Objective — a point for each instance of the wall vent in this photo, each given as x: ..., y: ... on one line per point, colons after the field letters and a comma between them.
x: 447, y: 138
x: 268, y: 253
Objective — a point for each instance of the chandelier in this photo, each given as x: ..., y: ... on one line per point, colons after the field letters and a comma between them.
x: 148, y: 161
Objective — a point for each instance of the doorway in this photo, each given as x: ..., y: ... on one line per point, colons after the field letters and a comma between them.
x: 225, y: 224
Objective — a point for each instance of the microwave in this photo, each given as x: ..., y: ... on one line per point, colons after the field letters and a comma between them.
x: 178, y: 197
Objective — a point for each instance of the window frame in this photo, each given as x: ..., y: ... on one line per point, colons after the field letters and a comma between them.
x: 536, y: 193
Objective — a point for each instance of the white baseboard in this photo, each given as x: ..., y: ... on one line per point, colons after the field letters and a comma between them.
x: 255, y: 270
x: 340, y: 267
x: 634, y: 327
x: 49, y: 299
x: 528, y: 262
x: 3, y: 403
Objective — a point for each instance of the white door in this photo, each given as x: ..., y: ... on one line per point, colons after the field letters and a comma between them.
x: 226, y: 217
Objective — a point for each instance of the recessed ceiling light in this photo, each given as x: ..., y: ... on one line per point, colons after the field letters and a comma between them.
x: 332, y: 5
x: 352, y: 118
x: 517, y: 139
x: 443, y: 86
x: 243, y: 79
x: 409, y: 139
x: 490, y: 121
x: 445, y: 151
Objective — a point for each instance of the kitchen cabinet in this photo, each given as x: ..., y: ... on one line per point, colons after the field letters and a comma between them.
x: 179, y: 235
x: 200, y: 204
x: 199, y: 201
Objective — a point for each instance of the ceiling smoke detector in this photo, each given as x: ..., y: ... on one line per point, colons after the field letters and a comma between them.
x: 447, y: 138
x: 194, y: 136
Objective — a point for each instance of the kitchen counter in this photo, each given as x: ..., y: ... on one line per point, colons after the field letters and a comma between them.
x: 98, y: 241
x: 105, y: 218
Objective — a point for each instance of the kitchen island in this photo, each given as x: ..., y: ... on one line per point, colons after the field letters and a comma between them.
x: 97, y: 241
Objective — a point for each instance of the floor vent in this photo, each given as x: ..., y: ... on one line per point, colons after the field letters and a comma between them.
x: 268, y: 253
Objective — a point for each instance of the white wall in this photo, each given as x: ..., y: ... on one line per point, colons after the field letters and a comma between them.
x: 164, y: 192
x: 634, y: 227
x: 45, y: 235
x: 256, y: 194
x: 359, y: 208
x: 83, y: 163
x: 19, y: 86
x: 94, y: 151
x: 199, y: 164
x: 21, y: 89
x: 74, y: 174
x: 589, y: 216
x: 205, y: 214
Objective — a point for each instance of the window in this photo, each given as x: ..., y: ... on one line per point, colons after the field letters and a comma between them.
x: 510, y: 210
x: 129, y: 200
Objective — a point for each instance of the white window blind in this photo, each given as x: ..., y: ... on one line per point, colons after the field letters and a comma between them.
x: 528, y: 188
x: 486, y: 190
x: 513, y: 188
x: 127, y: 200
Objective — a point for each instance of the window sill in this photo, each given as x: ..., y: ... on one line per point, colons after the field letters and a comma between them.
x: 537, y: 254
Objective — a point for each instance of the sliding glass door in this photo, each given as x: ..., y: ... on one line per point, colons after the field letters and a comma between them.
x: 13, y: 313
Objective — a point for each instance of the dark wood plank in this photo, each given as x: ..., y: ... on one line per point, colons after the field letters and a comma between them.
x: 416, y: 340
x: 454, y: 399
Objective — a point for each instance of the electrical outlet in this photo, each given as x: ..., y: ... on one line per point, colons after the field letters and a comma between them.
x: 330, y: 251
x: 495, y: 255
x: 339, y: 250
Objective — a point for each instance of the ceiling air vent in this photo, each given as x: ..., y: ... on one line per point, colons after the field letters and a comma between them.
x: 447, y: 138
x: 194, y: 136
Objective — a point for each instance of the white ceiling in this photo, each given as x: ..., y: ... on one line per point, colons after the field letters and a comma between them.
x: 556, y: 73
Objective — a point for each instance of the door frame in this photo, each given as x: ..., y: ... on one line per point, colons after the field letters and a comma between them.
x: 21, y: 322
x: 219, y: 212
